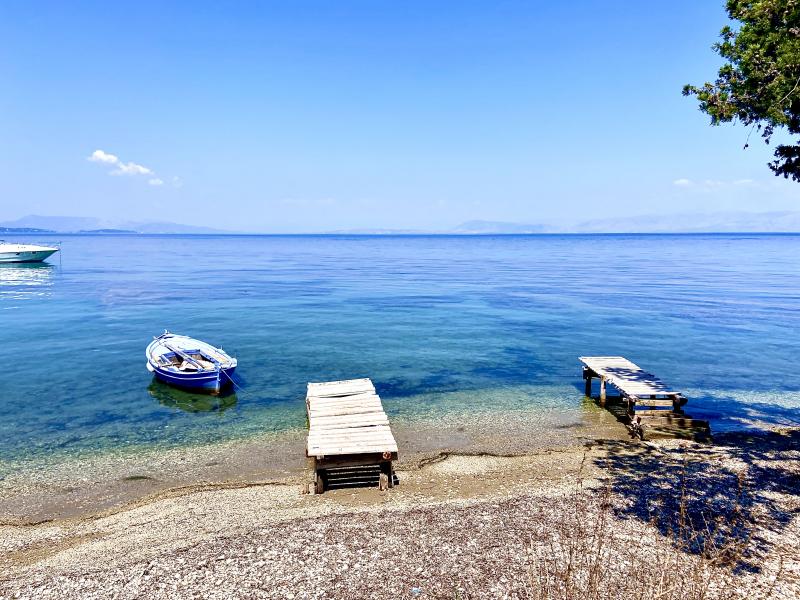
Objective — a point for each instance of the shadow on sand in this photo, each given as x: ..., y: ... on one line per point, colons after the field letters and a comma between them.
x: 725, y: 495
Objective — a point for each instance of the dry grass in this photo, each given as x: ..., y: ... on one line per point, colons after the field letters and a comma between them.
x: 589, y: 554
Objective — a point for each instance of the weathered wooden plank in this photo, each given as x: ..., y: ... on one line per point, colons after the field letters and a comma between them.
x: 353, y: 434
x: 363, y: 404
x: 340, y: 388
x: 377, y: 428
x: 344, y: 414
x: 346, y: 409
x: 678, y: 422
x: 363, y: 446
x: 372, y: 419
x: 350, y: 439
x: 342, y: 405
x: 657, y: 412
x: 350, y: 449
x: 645, y: 390
x: 384, y: 443
x: 340, y: 427
x: 330, y: 400
x: 350, y: 413
x: 351, y: 460
x: 654, y: 402
x: 364, y: 381
x: 366, y: 442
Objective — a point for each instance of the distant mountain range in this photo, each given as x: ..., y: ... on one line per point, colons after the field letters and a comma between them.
x: 39, y: 223
x: 716, y: 222
x: 488, y: 227
x: 713, y: 222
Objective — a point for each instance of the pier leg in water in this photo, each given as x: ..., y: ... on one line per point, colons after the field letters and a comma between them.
x: 602, y: 391
x: 587, y: 391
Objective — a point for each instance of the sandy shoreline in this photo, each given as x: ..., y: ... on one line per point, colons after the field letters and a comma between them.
x: 84, y: 486
x: 265, y: 539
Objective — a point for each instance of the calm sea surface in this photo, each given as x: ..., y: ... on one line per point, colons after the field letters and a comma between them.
x: 445, y: 326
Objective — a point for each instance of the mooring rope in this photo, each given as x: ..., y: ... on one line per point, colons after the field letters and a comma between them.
x: 235, y: 385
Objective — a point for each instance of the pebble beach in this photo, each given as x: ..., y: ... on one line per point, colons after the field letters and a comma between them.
x: 459, y: 524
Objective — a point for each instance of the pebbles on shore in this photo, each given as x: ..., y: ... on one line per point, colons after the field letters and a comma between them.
x: 464, y: 526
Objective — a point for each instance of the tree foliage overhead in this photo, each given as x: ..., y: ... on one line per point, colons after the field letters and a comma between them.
x: 759, y: 84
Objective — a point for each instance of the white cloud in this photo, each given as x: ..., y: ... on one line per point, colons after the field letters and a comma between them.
x: 103, y: 157
x: 128, y: 168
x: 131, y: 168
x: 711, y: 184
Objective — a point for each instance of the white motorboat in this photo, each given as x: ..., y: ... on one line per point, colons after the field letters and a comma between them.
x: 24, y: 253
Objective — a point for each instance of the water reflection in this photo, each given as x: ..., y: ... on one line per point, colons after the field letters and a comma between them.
x: 24, y: 280
x: 187, y: 401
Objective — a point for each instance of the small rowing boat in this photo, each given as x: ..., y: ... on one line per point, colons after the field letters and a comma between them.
x: 189, y: 363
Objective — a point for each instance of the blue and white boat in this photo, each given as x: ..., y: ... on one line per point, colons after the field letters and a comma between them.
x: 189, y: 363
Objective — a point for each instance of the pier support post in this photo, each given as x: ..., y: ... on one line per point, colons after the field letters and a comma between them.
x: 383, y: 482
x: 386, y: 477
x: 319, y: 480
x: 587, y: 381
x: 602, y: 391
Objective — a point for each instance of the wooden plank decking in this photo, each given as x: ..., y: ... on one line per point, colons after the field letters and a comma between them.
x: 651, y: 404
x: 627, y: 377
x: 348, y: 430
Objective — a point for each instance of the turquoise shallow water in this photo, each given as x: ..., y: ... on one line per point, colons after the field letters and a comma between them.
x: 445, y: 326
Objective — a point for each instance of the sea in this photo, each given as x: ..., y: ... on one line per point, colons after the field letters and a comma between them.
x: 446, y: 326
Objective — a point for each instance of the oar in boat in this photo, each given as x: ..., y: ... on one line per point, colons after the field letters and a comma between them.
x: 185, y: 356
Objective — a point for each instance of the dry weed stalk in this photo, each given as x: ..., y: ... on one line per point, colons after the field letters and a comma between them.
x: 589, y: 553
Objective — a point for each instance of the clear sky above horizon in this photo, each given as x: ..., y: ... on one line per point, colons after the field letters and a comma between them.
x: 309, y: 116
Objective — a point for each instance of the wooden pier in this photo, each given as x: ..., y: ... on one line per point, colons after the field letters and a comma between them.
x: 349, y: 438
x: 651, y: 405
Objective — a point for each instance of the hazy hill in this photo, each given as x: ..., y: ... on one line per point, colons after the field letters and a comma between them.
x: 712, y: 222
x: 715, y: 222
x: 91, y: 224
x: 488, y: 227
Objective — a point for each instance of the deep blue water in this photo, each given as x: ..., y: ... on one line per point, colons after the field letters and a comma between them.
x: 443, y: 325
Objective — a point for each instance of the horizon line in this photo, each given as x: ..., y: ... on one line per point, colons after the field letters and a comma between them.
x: 393, y: 234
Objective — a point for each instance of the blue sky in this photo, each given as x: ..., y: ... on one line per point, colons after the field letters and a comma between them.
x: 308, y: 116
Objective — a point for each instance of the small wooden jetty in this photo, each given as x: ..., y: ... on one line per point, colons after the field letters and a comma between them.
x: 349, y: 438
x: 651, y: 405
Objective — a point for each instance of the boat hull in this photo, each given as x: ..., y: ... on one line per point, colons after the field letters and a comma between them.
x: 200, y: 382
x: 26, y: 256
x: 170, y: 359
